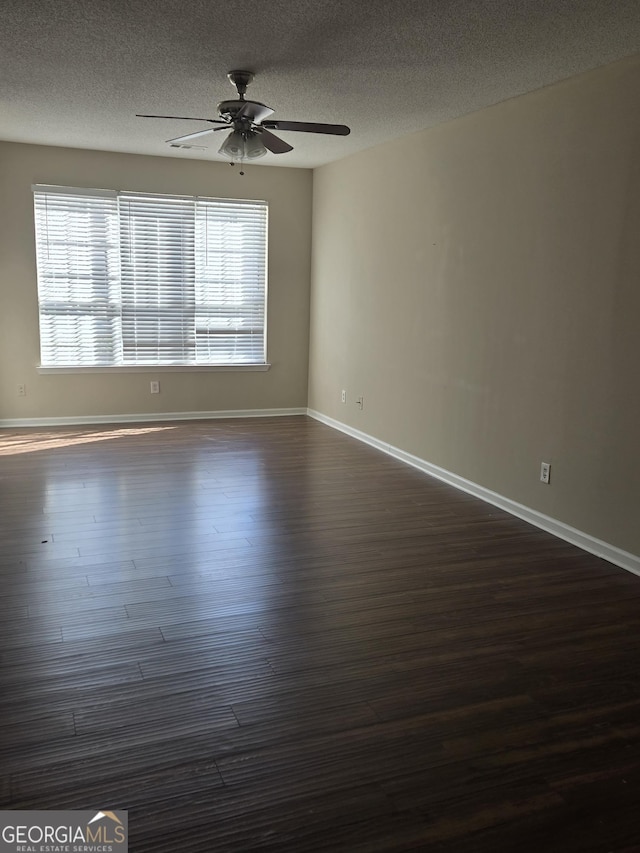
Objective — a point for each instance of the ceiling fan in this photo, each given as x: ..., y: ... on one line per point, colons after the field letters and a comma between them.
x: 250, y: 125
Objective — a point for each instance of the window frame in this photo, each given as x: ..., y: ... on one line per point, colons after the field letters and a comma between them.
x: 258, y: 286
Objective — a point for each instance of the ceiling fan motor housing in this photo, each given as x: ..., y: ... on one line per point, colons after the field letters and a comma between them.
x: 253, y: 110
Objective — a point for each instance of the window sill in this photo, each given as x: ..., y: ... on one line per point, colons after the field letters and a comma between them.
x: 162, y: 368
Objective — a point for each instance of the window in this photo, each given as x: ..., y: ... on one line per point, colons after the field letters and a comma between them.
x: 132, y: 279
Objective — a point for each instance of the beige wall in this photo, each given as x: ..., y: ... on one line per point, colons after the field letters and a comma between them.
x: 479, y: 285
x: 288, y: 192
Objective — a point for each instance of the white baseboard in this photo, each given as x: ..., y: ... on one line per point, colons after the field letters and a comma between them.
x: 82, y: 420
x: 608, y: 552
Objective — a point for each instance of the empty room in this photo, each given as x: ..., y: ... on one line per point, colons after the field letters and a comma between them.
x: 319, y: 456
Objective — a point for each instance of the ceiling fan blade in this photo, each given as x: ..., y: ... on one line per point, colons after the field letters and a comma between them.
x: 184, y: 118
x: 308, y: 126
x: 274, y: 143
x: 244, y: 110
x: 195, y: 135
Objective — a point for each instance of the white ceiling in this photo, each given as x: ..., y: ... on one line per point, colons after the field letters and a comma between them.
x: 75, y: 72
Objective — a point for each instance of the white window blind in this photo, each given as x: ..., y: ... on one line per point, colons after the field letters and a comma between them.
x: 78, y: 287
x: 157, y: 237
x: 132, y: 279
x: 230, y: 281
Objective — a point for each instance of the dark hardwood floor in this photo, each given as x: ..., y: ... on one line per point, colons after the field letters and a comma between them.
x: 263, y: 635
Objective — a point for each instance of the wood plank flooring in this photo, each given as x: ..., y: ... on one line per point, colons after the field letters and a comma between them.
x: 263, y: 635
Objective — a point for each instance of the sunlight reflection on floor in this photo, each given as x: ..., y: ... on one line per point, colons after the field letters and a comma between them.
x: 13, y: 444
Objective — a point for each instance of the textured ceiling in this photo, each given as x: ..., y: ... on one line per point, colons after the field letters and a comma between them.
x: 75, y: 72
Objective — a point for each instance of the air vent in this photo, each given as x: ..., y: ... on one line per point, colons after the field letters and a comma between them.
x: 188, y: 147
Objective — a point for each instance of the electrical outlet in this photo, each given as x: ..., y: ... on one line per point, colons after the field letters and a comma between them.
x: 360, y: 403
x: 545, y: 472
x: 344, y: 396
x: 21, y: 389
x: 155, y: 386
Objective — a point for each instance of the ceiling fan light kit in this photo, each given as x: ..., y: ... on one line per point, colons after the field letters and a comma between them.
x: 250, y: 126
x: 242, y: 145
